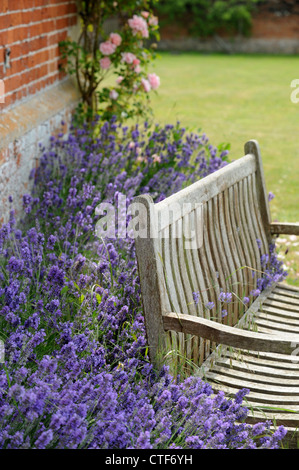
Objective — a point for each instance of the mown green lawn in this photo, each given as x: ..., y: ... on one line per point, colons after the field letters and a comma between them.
x: 236, y: 98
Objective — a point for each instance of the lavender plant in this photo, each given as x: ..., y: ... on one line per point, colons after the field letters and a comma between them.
x: 76, y: 371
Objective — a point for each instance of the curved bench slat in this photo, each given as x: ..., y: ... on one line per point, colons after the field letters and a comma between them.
x: 230, y: 336
x: 284, y: 228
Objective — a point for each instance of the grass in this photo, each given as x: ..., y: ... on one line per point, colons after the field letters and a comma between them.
x: 235, y: 98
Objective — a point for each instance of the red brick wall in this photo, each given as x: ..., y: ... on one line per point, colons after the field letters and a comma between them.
x: 270, y: 26
x: 265, y: 25
x: 32, y: 29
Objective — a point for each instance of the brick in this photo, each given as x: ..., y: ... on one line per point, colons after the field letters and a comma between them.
x: 57, y: 37
x: 62, y: 23
x: 16, y: 67
x: 37, y: 15
x: 39, y: 58
x: 42, y: 3
x: 72, y: 8
x: 73, y: 20
x: 5, y: 21
x: 16, y: 51
x: 19, y: 4
x: 33, y: 30
x: 20, y: 94
x: 4, y: 6
x: 18, y: 18
x: 12, y: 83
x: 8, y: 101
x: 27, y: 77
x: 11, y: 36
x: 33, y: 88
x: 42, y: 71
x: 53, y: 66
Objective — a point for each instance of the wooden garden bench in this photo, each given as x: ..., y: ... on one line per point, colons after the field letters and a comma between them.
x: 209, y: 238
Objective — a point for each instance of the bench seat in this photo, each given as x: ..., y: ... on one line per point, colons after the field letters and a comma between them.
x: 210, y: 238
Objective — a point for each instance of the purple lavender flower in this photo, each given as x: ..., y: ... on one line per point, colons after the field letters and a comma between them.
x: 196, y: 297
x: 225, y: 297
x: 270, y: 196
x: 255, y: 292
x: 44, y: 439
x: 210, y: 305
x: 77, y: 370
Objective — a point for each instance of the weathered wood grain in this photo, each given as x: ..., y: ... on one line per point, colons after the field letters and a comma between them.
x: 228, y: 335
x: 284, y: 228
x: 153, y: 290
x: 253, y: 346
x: 252, y: 148
x: 208, y: 187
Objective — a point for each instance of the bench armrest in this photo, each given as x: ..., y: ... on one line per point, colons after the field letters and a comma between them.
x: 284, y: 228
x: 230, y: 336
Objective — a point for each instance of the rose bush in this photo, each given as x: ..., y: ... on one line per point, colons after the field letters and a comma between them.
x: 97, y: 56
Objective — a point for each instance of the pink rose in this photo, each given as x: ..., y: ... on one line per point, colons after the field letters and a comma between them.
x: 153, y: 21
x: 156, y: 158
x: 107, y: 48
x: 146, y: 84
x: 136, y: 65
x: 154, y: 80
x: 113, y: 95
x: 115, y: 39
x: 128, y: 57
x: 145, y: 14
x: 119, y: 79
x: 138, y: 25
x: 105, y: 63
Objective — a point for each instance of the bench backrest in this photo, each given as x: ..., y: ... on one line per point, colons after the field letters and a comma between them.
x: 227, y: 212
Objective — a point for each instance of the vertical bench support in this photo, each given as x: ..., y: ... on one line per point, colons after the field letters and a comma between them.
x: 153, y: 290
x: 252, y: 147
